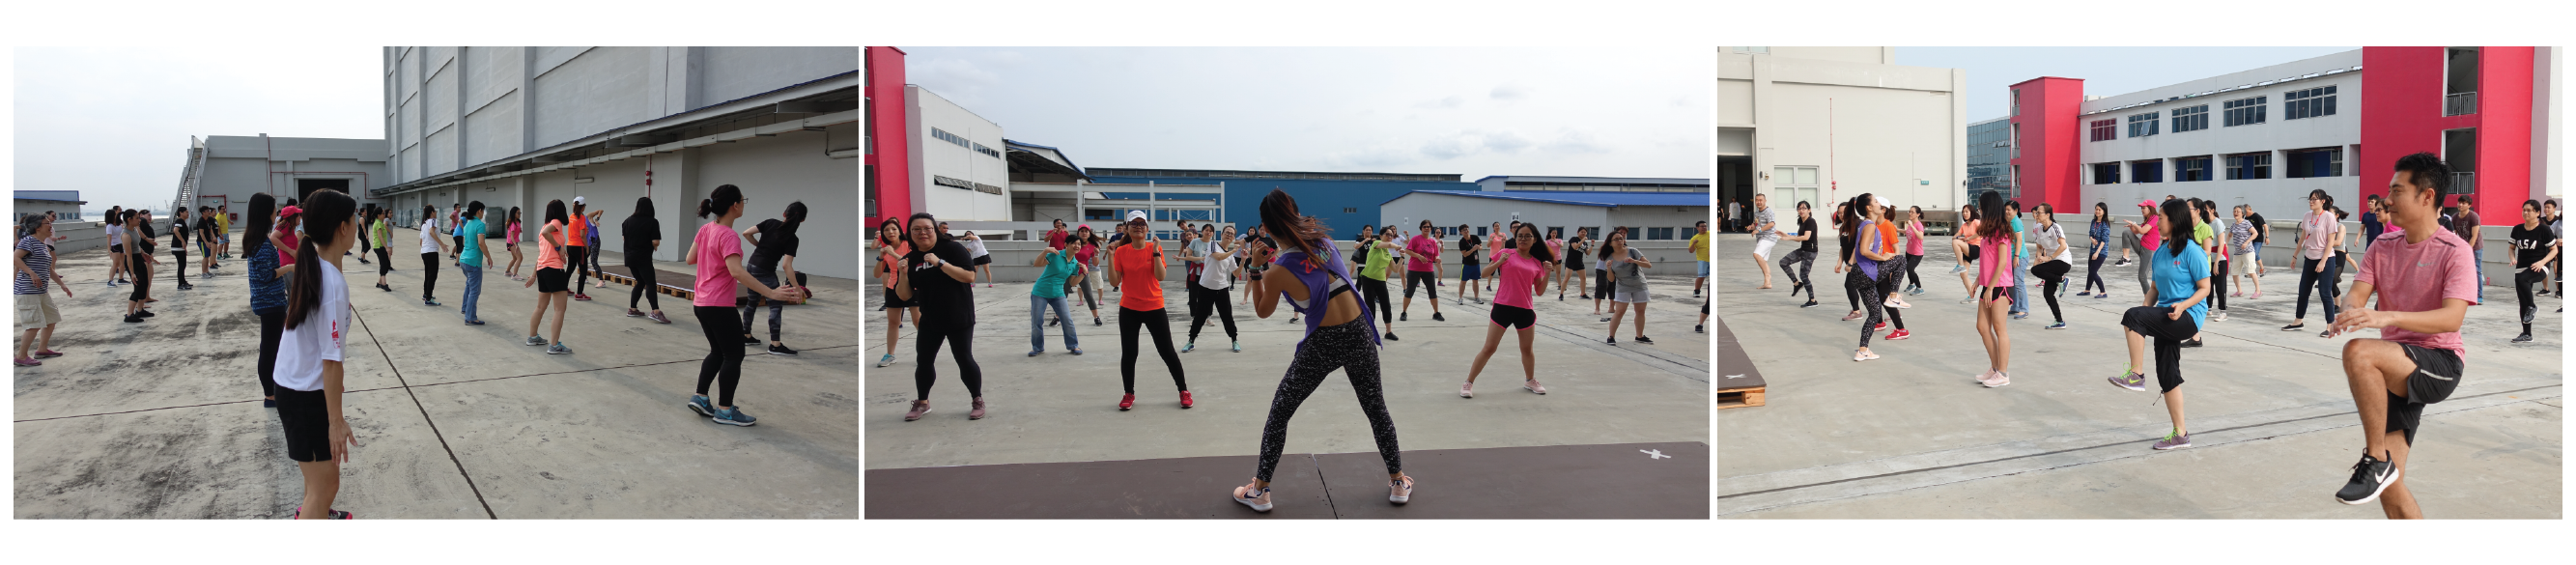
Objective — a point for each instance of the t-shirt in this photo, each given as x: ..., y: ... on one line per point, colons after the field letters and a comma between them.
x: 473, y: 253
x: 2262, y: 228
x: 2175, y: 277
x: 1517, y: 271
x: 547, y: 256
x: 2054, y: 236
x: 429, y: 236
x: 1807, y: 226
x: 580, y: 231
x: 1700, y: 241
x: 1631, y: 278
x: 267, y: 290
x: 2370, y: 227
x: 901, y: 248
x: 945, y: 303
x: 115, y: 234
x: 1913, y: 240
x: 40, y: 258
x: 1051, y: 276
x: 287, y: 236
x: 1138, y: 290
x: 223, y: 222
x: 2240, y: 236
x: 2417, y: 277
x: 384, y: 231
x: 776, y: 242
x: 1055, y: 238
x: 1763, y: 216
x: 178, y: 233
x: 2466, y: 225
x: 1993, y: 272
x: 320, y: 337
x: 1198, y: 248
x: 1380, y: 254
x: 2318, y: 228
x: 512, y: 237
x: 974, y: 247
x: 2155, y: 236
x: 1218, y: 275
x: 639, y: 233
x: 1467, y: 251
x: 2529, y: 244
x: 715, y: 285
x: 1429, y: 248
x: 2200, y: 233
x: 206, y: 224
x: 2020, y: 250
x: 1494, y: 246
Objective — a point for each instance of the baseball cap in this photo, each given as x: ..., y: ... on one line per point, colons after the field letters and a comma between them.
x: 577, y: 200
x: 2146, y: 203
x: 289, y: 212
x: 1135, y: 215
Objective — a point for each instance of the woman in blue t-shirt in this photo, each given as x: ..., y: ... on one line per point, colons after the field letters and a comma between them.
x: 2177, y: 314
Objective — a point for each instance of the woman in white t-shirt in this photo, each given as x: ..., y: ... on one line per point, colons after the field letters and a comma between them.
x: 1215, y: 284
x: 308, y: 371
x: 2056, y: 259
x: 432, y: 245
x: 975, y: 246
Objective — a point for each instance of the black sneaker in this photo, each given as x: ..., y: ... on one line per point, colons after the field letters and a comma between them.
x: 1095, y: 320
x: 2192, y: 343
x: 145, y: 313
x: 1390, y: 336
x: 2524, y: 338
x: 1809, y: 304
x: 1614, y: 340
x: 1404, y: 316
x: 1435, y: 316
x: 133, y: 319
x: 1697, y: 329
x: 2294, y: 327
x: 2369, y: 477
x: 748, y: 340
x: 187, y: 287
x: 1644, y: 340
x: 781, y: 350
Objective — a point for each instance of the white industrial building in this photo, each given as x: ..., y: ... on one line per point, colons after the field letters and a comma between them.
x: 1798, y: 123
x: 223, y: 171
x: 520, y: 126
x: 959, y: 170
x: 2237, y: 127
x: 1655, y: 216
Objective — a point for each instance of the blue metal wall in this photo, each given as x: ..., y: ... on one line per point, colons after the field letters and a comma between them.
x: 1323, y: 199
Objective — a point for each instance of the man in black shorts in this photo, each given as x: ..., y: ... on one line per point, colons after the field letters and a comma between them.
x: 2425, y: 279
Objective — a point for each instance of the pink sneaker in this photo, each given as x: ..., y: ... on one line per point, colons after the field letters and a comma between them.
x: 1258, y: 503
x: 1534, y: 387
x: 2000, y: 379
x: 1400, y: 491
x: 1852, y: 316
x: 919, y: 407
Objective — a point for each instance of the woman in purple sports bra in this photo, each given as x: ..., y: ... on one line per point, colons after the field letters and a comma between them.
x: 1308, y: 270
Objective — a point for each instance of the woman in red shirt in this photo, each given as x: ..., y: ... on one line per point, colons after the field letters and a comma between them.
x: 1137, y: 266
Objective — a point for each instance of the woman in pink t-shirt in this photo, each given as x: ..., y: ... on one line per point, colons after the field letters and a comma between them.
x: 717, y: 252
x: 1913, y: 249
x: 1994, y: 289
x: 1523, y: 269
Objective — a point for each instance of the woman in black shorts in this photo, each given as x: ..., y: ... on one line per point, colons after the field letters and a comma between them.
x: 1573, y: 273
x: 1523, y: 268
x: 552, y: 274
x: 891, y: 248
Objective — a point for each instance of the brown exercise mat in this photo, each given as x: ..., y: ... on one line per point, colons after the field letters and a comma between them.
x: 1563, y: 481
x: 1732, y: 362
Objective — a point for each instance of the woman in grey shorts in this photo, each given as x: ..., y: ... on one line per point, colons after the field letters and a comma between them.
x: 1626, y: 269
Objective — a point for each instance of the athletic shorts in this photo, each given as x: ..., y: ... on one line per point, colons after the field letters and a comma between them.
x: 983, y: 259
x: 206, y: 248
x: 2000, y: 292
x: 36, y: 311
x: 1972, y: 254
x: 1762, y: 248
x: 1421, y: 278
x: 1514, y: 317
x: 1624, y: 295
x: 118, y: 248
x: 551, y: 279
x: 891, y: 301
x: 2437, y: 373
x: 1472, y: 271
x: 307, y: 419
x: 1703, y: 268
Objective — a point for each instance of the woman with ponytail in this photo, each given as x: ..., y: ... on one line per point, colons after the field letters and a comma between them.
x: 773, y: 259
x: 139, y: 261
x: 1308, y: 270
x: 1993, y: 288
x: 432, y: 245
x: 717, y: 252
x: 309, y: 371
x: 267, y: 290
x: 643, y: 235
x: 510, y: 239
x: 552, y: 277
x: 380, y: 221
x: 2176, y: 311
x: 1523, y: 269
x: 891, y: 248
x: 2319, y: 234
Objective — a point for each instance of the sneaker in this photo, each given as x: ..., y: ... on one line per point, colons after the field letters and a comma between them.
x: 1481, y: 302
x: 749, y: 340
x: 381, y: 286
x: 1403, y: 316
x: 47, y: 354
x: 473, y: 322
x: 634, y: 313
x: 1260, y: 503
x: 2055, y: 326
x: 919, y: 407
x: 111, y: 284
x: 2020, y: 315
x: 558, y: 349
x: 2218, y: 317
x: 1051, y: 322
x: 1534, y: 387
x: 430, y: 302
x: 1435, y: 316
x: 1614, y: 341
x: 1238, y: 347
x: 1960, y: 268
x: 1882, y: 326
x: 1607, y: 318
x: 2294, y: 327
x: 888, y: 359
x: 133, y: 319
x: 978, y: 412
x: 1035, y: 352
x: 2525, y: 337
x: 1642, y: 339
x: 1900, y: 335
x: 1095, y: 320
x: 781, y: 349
x: 2192, y: 343
x: 1187, y: 347
x: 2131, y: 380
x: 185, y: 286
x: 1969, y: 299
x: 335, y: 514
x: 2369, y: 477
x: 1851, y: 316
x: 2090, y: 293
x: 2122, y: 263
x: 1918, y: 291
x: 1698, y: 329
x: 2000, y: 379
x: 700, y: 405
x: 534, y: 340
x: 1186, y: 403
x: 658, y: 318
x: 1126, y: 402
x: 26, y: 361
x: 1400, y: 491
x: 1809, y: 304
x: 581, y: 297
x: 145, y: 313
x: 2173, y: 441
x: 1390, y: 336
x: 1467, y: 390
x: 268, y: 403
x: 734, y: 417
x: 2330, y: 333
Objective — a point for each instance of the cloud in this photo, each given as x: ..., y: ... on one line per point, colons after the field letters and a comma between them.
x: 1510, y: 92
x: 1570, y: 140
x: 1448, y: 102
x: 1472, y: 142
x: 958, y: 79
x: 1372, y: 156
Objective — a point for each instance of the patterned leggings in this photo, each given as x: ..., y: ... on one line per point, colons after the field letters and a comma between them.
x: 1344, y: 347
x: 1861, y: 284
x: 1807, y: 262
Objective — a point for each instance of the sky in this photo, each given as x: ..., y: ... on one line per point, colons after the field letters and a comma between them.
x: 114, y: 123
x: 2107, y: 71
x: 1472, y: 112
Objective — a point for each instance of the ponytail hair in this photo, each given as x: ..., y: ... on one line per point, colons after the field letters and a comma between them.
x: 325, y: 211
x: 795, y: 216
x: 1279, y: 212
x: 721, y: 200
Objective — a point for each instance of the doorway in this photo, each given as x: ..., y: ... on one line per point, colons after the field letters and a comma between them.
x: 304, y: 187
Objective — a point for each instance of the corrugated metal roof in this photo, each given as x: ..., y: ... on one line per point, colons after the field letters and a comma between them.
x: 1602, y: 199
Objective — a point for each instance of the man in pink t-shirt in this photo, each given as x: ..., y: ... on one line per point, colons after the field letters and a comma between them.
x: 1422, y: 268
x: 2425, y: 279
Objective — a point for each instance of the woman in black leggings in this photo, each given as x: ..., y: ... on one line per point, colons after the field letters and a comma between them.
x: 1804, y: 256
x: 642, y: 235
x: 1311, y: 276
x: 936, y: 276
x: 1217, y: 298
x: 2051, y: 240
x: 2100, y: 232
x: 716, y: 247
x: 1137, y: 268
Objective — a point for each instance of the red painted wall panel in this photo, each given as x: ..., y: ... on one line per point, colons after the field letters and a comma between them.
x: 2504, y: 133
x: 2051, y: 133
x: 2401, y: 113
x: 890, y: 152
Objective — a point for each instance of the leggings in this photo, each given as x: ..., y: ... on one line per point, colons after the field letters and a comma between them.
x: 1213, y: 299
x: 751, y: 307
x: 384, y: 265
x: 724, y: 352
x: 1155, y: 322
x: 2218, y: 285
x: 648, y: 288
x: 2093, y: 275
x: 1372, y: 292
x: 1887, y: 283
x: 961, y: 344
x: 575, y: 256
x: 2166, y: 335
x: 2522, y: 283
x: 2051, y: 274
x: 1806, y: 261
x: 1085, y: 287
x: 1344, y: 347
x: 142, y: 273
x: 1865, y: 290
x: 428, y: 274
x: 272, y: 326
x: 2321, y: 282
x: 1912, y: 261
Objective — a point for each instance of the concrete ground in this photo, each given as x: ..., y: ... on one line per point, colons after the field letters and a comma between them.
x: 1910, y: 435
x: 162, y: 419
x: 1057, y: 407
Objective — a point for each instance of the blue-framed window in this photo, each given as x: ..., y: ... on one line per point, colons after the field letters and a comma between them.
x: 2147, y: 171
x: 2311, y: 163
x: 2310, y: 103
x: 2191, y: 169
x: 2106, y: 173
x: 2191, y: 119
x: 943, y: 135
x: 2142, y: 125
x: 2245, y: 111
x: 1659, y: 233
x: 2248, y: 166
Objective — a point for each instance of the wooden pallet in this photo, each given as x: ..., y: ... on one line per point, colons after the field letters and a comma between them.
x: 1741, y: 397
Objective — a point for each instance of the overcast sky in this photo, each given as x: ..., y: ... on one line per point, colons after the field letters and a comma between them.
x: 1472, y: 112
x: 114, y: 123
x: 2107, y: 71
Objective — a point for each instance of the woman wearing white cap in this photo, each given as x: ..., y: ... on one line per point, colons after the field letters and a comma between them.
x: 1136, y: 266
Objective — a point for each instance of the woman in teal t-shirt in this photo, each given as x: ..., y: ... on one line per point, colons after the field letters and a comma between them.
x: 1056, y: 267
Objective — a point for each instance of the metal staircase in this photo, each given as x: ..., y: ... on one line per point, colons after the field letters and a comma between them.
x: 190, y: 175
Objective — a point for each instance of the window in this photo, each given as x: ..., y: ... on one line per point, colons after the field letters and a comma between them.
x: 987, y: 151
x: 1350, y: 210
x: 2191, y: 169
x: 2016, y: 102
x: 2191, y: 119
x: 2106, y: 130
x: 2147, y: 171
x: 2106, y: 173
x: 1480, y: 231
x: 2142, y: 125
x: 2310, y: 103
x: 2310, y: 163
x: 2246, y: 111
x: 2249, y: 166
x: 943, y: 135
x: 1659, y: 233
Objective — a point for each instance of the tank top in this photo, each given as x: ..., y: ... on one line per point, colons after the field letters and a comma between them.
x: 1138, y: 290
x: 547, y: 256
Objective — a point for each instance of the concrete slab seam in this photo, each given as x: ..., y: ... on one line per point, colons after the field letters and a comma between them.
x: 425, y: 417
